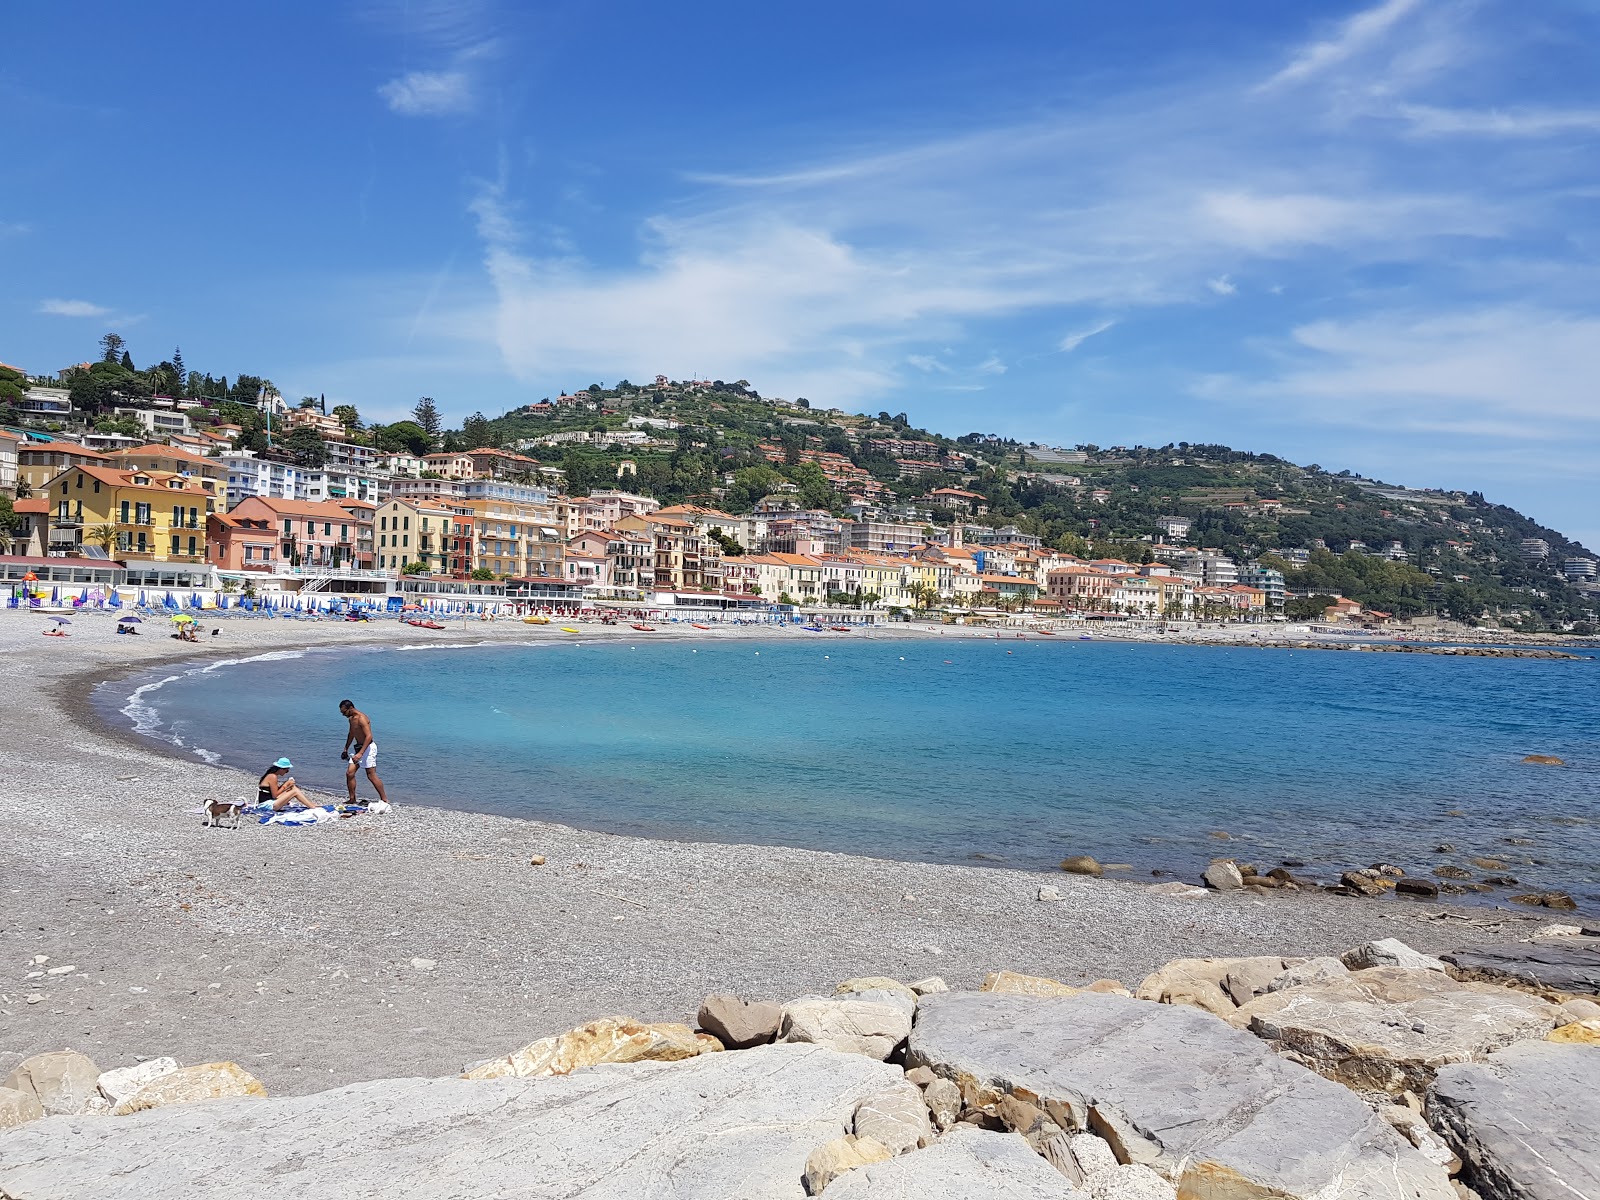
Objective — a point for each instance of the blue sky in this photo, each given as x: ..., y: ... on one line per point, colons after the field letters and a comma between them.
x: 1363, y: 235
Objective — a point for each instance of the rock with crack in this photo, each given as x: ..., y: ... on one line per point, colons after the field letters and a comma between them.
x: 190, y: 1085
x: 607, y: 1040
x: 708, y: 1128
x: 843, y: 1154
x: 965, y: 1164
x: 1388, y: 1029
x: 739, y: 1024
x: 897, y: 1117
x: 1523, y: 1122
x: 1016, y: 983
x: 871, y: 1027
x: 1206, y: 1106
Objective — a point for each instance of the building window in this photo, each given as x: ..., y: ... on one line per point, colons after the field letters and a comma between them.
x: 249, y: 553
x: 124, y: 512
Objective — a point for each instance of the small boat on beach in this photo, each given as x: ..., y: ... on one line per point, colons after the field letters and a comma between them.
x: 425, y: 624
x: 840, y: 628
x: 694, y: 626
x: 644, y: 628
x: 1045, y: 632
x: 568, y: 629
x: 536, y: 620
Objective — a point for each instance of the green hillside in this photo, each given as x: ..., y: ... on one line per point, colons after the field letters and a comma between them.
x: 1462, y: 554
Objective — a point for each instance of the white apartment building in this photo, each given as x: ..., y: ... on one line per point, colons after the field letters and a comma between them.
x: 252, y: 476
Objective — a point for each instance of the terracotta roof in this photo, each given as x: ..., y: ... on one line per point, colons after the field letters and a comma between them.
x: 154, y: 449
x: 34, y: 504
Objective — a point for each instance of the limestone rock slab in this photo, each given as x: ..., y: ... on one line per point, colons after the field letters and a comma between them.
x: 118, y: 1084
x: 1572, y: 966
x: 898, y: 1118
x: 1205, y: 1105
x: 1389, y: 1028
x: 18, y: 1108
x: 843, y: 1154
x: 967, y: 1163
x: 1389, y: 952
x: 1523, y: 1122
x: 1016, y: 983
x: 708, y: 1128
x: 1198, y: 982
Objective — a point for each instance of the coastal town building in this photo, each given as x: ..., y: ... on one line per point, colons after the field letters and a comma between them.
x: 151, y: 516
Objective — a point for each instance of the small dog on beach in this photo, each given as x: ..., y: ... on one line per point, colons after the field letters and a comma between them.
x: 220, y: 811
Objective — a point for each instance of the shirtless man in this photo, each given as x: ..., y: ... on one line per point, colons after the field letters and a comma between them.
x: 360, y: 750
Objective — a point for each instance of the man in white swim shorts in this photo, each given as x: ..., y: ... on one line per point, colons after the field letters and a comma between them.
x: 360, y: 750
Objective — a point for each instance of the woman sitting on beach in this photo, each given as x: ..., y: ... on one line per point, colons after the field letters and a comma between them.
x: 277, y: 788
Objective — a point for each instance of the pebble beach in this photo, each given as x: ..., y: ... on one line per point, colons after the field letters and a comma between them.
x: 410, y: 943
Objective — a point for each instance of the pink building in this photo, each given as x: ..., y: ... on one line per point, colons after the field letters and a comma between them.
x: 262, y: 533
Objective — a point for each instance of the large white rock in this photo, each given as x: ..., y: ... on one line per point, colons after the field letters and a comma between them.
x: 62, y: 1080
x: 116, y: 1086
x: 1208, y: 1107
x: 1524, y: 1121
x: 898, y: 1118
x: 707, y: 1128
x: 1389, y: 952
x: 855, y: 1026
x: 1389, y: 1028
x: 967, y: 1163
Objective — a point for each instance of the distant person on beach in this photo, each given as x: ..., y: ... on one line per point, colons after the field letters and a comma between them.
x: 276, y: 789
x: 360, y: 750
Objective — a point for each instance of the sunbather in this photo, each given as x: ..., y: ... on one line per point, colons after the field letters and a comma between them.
x: 278, y: 790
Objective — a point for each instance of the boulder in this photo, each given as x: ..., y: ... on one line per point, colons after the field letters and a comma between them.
x: 1388, y: 952
x: 1571, y: 968
x: 1224, y: 876
x: 116, y: 1086
x: 739, y: 1024
x: 943, y: 1099
x: 897, y: 1117
x: 708, y: 1128
x: 1522, y: 1122
x: 18, y: 1107
x: 965, y: 1164
x: 1577, y: 1033
x: 1451, y: 871
x: 1578, y: 1009
x: 1366, y: 882
x: 63, y: 1081
x: 1016, y: 984
x: 1133, y: 1182
x: 877, y: 990
x: 607, y: 1040
x: 1544, y: 760
x: 1416, y: 887
x: 1082, y: 864
x: 847, y: 1024
x: 1409, y: 1123
x: 1387, y: 1029
x: 928, y: 986
x: 187, y: 1085
x: 832, y: 1159
x: 1197, y: 982
x: 1207, y: 1107
x: 1183, y: 891
x: 1558, y: 900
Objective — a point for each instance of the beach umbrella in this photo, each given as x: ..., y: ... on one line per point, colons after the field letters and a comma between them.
x: 30, y: 577
x: 182, y: 619
x: 129, y: 621
x: 60, y: 620
x: 55, y: 595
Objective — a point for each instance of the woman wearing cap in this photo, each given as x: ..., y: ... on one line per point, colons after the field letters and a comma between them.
x: 277, y: 788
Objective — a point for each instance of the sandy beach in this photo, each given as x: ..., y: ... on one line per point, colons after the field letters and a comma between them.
x: 291, y: 951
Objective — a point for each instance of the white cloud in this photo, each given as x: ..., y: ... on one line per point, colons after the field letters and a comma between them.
x: 1512, y: 122
x: 928, y: 363
x: 14, y: 228
x: 1222, y: 286
x: 1352, y: 36
x: 1072, y: 341
x: 429, y: 93
x: 1509, y: 372
x: 72, y: 308
x: 991, y: 366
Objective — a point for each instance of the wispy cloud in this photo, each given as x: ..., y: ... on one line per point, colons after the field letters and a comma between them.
x: 429, y: 93
x: 1509, y: 372
x: 14, y: 228
x: 1072, y: 341
x: 458, y: 35
x: 1349, y: 38
x: 1510, y: 123
x: 72, y: 308
x: 1222, y: 285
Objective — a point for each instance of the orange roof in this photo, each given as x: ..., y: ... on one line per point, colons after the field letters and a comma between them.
x: 34, y: 504
x: 62, y: 448
x: 123, y: 477
x: 323, y: 509
x: 154, y: 449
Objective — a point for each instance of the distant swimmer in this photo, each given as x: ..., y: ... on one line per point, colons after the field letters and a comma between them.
x: 360, y: 750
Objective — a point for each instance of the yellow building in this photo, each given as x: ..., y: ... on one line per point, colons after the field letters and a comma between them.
x: 518, y: 539
x: 152, y: 516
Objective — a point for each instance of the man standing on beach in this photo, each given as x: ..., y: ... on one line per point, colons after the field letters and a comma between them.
x: 360, y: 750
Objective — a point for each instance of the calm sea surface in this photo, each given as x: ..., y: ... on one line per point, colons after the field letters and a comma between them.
x: 951, y: 750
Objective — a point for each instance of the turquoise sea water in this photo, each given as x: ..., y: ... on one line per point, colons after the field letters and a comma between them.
x: 960, y: 749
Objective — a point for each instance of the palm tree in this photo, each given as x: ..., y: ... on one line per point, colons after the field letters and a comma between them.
x: 104, y: 536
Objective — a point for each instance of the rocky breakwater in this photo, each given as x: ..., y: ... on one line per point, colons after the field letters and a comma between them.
x: 1377, y: 1075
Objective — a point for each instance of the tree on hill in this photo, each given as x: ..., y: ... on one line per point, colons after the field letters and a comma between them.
x: 426, y: 414
x: 306, y: 445
x: 112, y: 347
x: 402, y: 437
x: 478, y: 431
x: 348, y: 415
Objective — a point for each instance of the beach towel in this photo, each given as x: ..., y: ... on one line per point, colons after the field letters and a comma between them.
x: 296, y: 817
